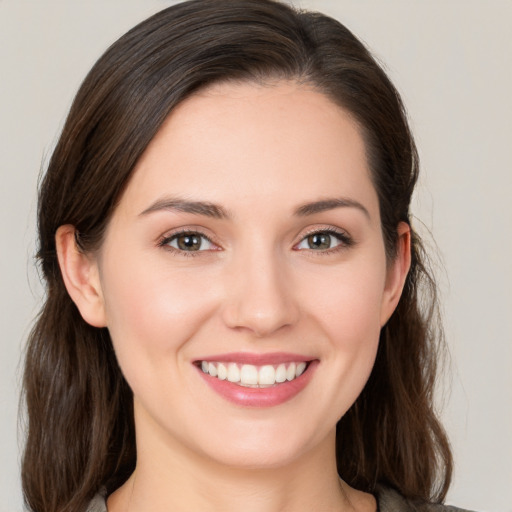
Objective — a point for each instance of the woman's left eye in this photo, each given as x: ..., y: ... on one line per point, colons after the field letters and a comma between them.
x: 188, y: 242
x: 323, y: 241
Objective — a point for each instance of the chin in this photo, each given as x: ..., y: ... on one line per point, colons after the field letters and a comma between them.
x: 257, y: 457
x: 260, y: 446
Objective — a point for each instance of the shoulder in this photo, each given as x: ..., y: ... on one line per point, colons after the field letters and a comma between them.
x: 391, y: 501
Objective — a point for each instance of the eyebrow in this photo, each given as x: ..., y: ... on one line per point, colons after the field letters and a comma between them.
x: 216, y: 211
x: 196, y: 207
x: 329, y: 204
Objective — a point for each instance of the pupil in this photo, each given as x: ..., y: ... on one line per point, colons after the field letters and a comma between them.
x: 189, y: 242
x: 319, y: 241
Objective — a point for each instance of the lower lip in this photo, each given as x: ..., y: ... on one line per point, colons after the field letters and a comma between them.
x: 260, y: 397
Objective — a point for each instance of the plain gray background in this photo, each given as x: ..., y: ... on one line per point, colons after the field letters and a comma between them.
x: 451, y: 60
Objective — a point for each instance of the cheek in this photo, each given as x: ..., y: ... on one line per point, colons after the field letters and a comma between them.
x: 348, y: 303
x: 348, y: 311
x: 354, y: 329
x: 151, y: 314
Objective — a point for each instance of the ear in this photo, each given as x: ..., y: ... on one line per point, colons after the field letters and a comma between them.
x: 397, y: 273
x: 81, y: 276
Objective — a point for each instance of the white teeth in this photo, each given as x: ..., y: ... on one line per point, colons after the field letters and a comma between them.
x: 249, y: 374
x: 290, y: 373
x: 253, y: 376
x: 281, y: 373
x: 267, y: 375
x: 233, y: 373
x: 212, y: 369
x: 222, y: 371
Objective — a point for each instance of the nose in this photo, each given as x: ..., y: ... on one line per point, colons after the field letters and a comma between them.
x: 259, y: 296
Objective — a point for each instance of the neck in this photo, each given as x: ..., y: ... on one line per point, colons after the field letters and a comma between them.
x: 168, y: 476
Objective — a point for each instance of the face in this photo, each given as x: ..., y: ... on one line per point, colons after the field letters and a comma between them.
x: 243, y: 275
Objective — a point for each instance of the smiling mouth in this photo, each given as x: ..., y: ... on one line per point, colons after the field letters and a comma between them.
x: 254, y: 376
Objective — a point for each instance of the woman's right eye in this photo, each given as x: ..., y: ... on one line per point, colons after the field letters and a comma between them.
x: 189, y: 241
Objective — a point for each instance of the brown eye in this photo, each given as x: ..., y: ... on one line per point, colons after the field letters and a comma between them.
x: 323, y: 241
x: 319, y: 241
x: 189, y: 242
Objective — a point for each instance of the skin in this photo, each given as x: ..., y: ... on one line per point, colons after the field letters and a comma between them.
x: 257, y: 287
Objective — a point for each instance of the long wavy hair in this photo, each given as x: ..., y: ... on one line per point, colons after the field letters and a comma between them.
x: 79, y: 406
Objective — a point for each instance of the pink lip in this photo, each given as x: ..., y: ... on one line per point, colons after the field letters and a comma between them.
x: 257, y: 359
x: 259, y: 397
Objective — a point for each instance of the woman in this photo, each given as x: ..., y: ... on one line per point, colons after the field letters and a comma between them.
x: 237, y: 310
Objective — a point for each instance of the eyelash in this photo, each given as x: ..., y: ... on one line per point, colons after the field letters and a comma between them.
x: 345, y: 240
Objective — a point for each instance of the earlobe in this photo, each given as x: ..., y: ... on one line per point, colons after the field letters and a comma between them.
x: 81, y: 277
x: 397, y: 272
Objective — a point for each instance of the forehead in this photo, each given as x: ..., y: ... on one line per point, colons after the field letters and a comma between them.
x: 248, y: 143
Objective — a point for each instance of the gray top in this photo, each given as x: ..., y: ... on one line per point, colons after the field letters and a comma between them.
x: 98, y: 503
x: 388, y: 500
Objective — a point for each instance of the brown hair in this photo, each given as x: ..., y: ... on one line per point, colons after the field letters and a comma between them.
x: 80, y: 417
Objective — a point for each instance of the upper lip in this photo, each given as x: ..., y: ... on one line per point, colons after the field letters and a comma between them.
x: 256, y: 359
